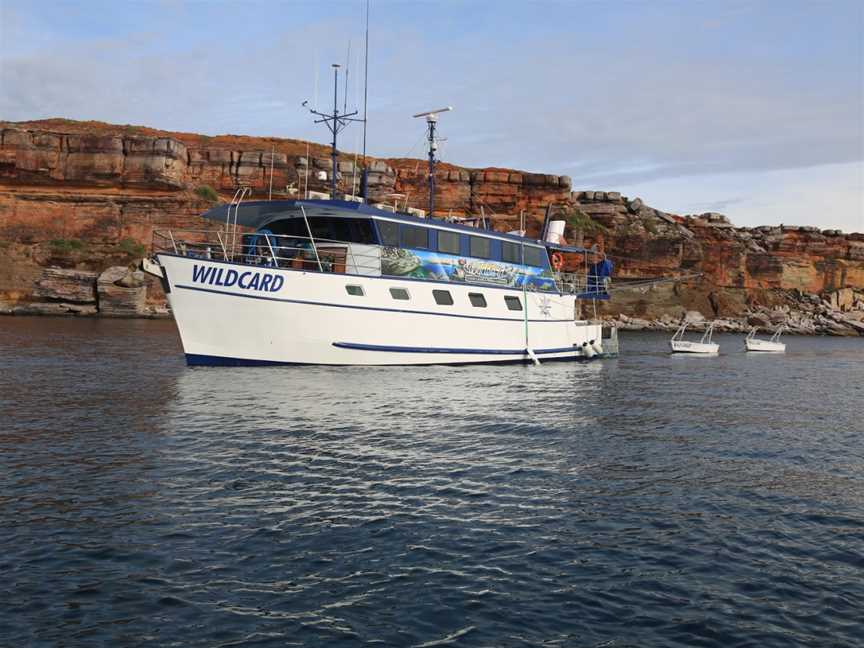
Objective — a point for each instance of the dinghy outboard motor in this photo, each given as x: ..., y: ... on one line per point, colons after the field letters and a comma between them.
x: 588, y: 350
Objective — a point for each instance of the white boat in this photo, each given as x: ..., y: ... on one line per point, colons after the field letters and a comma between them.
x: 342, y: 283
x: 772, y: 345
x: 705, y: 346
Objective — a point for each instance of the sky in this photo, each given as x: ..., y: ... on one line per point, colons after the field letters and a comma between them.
x: 754, y: 109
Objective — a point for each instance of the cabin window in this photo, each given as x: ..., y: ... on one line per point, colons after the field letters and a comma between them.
x: 511, y: 253
x: 481, y: 248
x: 415, y: 237
x: 399, y: 293
x: 448, y: 242
x: 477, y: 300
x: 357, y: 291
x: 349, y: 230
x: 513, y: 303
x: 443, y: 297
x: 389, y: 233
x: 535, y: 256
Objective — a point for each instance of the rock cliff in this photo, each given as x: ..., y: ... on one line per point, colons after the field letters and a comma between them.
x: 87, y: 196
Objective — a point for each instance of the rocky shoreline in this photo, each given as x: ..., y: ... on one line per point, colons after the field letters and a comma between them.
x: 122, y: 292
x: 119, y: 291
x: 821, y: 320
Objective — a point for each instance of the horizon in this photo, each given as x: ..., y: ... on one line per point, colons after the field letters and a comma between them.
x: 754, y: 110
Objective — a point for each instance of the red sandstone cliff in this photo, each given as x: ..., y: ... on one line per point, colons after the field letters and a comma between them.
x: 88, y: 195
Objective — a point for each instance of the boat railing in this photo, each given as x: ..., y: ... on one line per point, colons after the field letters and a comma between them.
x: 297, y: 252
x: 272, y: 250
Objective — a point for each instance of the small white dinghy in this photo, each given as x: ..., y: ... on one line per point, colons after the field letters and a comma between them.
x: 705, y: 346
x: 752, y: 343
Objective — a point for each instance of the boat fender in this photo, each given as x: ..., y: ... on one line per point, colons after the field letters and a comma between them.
x: 597, y: 346
x: 587, y: 350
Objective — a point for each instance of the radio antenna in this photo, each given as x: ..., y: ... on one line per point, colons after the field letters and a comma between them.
x: 366, y: 84
x: 431, y: 120
x: 336, y: 123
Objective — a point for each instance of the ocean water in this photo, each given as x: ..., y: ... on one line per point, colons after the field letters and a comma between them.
x: 646, y: 501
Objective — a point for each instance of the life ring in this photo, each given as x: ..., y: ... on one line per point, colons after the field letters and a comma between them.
x: 557, y: 261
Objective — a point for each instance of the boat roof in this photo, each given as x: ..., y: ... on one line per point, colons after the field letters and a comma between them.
x: 259, y: 213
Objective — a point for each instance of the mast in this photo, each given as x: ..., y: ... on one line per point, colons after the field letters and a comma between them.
x: 336, y: 123
x: 366, y: 85
x: 431, y: 121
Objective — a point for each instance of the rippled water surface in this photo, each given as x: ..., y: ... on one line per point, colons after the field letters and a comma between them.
x: 647, y: 501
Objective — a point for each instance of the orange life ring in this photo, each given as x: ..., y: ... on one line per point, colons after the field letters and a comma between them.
x: 557, y: 261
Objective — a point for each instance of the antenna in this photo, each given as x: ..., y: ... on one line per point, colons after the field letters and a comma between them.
x: 432, y: 119
x: 335, y: 122
x: 365, y: 85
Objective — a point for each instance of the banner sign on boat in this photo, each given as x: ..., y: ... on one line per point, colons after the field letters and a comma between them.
x: 437, y: 266
x: 229, y: 277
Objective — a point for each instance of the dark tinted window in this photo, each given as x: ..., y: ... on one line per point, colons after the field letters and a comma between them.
x: 480, y: 247
x: 443, y: 297
x: 535, y: 256
x: 513, y: 303
x: 477, y: 299
x: 355, y: 290
x: 415, y: 237
x: 448, y: 242
x: 320, y: 228
x: 353, y: 230
x: 389, y: 233
x: 511, y: 253
x: 399, y: 293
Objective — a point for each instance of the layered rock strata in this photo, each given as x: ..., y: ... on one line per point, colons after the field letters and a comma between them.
x: 88, y: 196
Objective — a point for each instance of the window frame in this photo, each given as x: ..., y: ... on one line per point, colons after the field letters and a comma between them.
x: 348, y: 288
x: 385, y: 224
x: 404, y: 227
x: 488, y: 243
x: 542, y: 256
x: 436, y: 293
x: 472, y: 295
x: 517, y: 258
x: 447, y: 233
x: 513, y: 299
x: 407, y: 296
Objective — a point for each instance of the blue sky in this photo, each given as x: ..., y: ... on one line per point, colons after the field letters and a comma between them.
x: 754, y: 109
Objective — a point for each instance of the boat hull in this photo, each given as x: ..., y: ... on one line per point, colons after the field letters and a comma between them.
x: 764, y: 346
x: 235, y: 314
x: 683, y: 346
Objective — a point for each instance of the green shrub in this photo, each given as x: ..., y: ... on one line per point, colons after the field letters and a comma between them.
x: 66, y: 246
x: 131, y: 247
x: 207, y: 193
x: 579, y: 220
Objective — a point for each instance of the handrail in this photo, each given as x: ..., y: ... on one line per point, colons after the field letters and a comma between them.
x: 222, y: 243
x: 304, y: 252
x: 228, y: 215
x: 309, y: 229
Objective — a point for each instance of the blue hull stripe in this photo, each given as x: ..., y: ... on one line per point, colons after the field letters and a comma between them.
x: 371, y: 308
x: 404, y: 349
x: 197, y: 360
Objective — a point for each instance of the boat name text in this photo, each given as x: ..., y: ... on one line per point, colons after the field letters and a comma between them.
x: 248, y: 280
